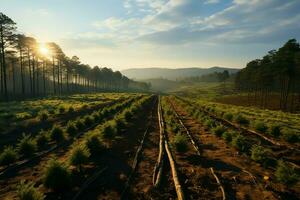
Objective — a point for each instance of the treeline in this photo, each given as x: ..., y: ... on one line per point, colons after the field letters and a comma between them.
x: 212, y: 77
x: 27, y: 69
x: 276, y: 75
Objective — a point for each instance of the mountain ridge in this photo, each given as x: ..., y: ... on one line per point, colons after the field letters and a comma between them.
x: 172, y: 73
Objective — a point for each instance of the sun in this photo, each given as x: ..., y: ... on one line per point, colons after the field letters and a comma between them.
x: 44, y: 50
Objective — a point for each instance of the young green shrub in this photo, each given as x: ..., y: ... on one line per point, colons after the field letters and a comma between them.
x: 79, y: 155
x: 61, y: 109
x: 240, y: 119
x: 219, y: 130
x: 27, y: 191
x: 95, y: 145
x: 42, y: 139
x: 88, y: 121
x: 228, y: 116
x: 96, y: 117
x: 290, y: 136
x: 120, y: 124
x: 275, y: 130
x: 26, y: 146
x: 259, y: 154
x: 128, y: 115
x: 71, y: 128
x: 8, y: 156
x: 180, y: 143
x: 105, y: 112
x: 79, y: 124
x: 43, y: 115
x: 109, y: 130
x: 227, y: 136
x: 239, y: 142
x: 71, y: 109
x: 209, y: 123
x: 286, y: 174
x: 260, y: 126
x: 57, y: 176
x: 57, y: 134
x: 174, y: 128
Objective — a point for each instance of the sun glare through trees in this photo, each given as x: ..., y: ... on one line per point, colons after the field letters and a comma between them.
x: 150, y: 100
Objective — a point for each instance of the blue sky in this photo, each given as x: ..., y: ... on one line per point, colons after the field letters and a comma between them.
x: 159, y: 33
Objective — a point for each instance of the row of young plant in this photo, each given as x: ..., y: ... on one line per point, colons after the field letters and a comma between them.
x: 43, y: 115
x: 59, y: 177
x: 284, y: 172
x: 272, y: 128
x: 179, y: 140
x: 29, y: 145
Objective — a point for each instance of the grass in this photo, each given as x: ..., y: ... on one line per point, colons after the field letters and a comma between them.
x: 71, y: 128
x: 219, y: 130
x: 260, y: 126
x: 57, y: 134
x: 27, y: 146
x: 79, y: 155
x: 57, y: 176
x: 180, y: 142
x: 286, y: 174
x: 94, y: 145
x: 239, y: 142
x: 8, y: 156
x: 260, y: 154
x: 42, y: 139
x: 27, y: 191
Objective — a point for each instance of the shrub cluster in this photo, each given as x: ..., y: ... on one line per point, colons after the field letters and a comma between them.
x: 71, y: 128
x: 26, y: 146
x: 260, y: 154
x: 219, y: 130
x: 228, y: 116
x: 27, y: 191
x: 240, y: 119
x: 57, y: 176
x: 57, y: 134
x: 43, y: 115
x: 8, y: 156
x: 286, y: 174
x: 79, y: 155
x: 240, y: 143
x: 180, y: 142
x: 42, y: 139
x: 261, y: 126
x: 94, y: 144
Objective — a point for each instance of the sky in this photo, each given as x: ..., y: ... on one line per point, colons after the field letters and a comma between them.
x: 123, y: 34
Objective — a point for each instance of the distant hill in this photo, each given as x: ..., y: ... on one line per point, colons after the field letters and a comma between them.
x: 171, y: 74
x: 163, y: 85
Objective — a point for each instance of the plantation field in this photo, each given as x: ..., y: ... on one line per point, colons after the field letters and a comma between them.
x: 12, y: 113
x: 141, y: 146
x: 261, y: 120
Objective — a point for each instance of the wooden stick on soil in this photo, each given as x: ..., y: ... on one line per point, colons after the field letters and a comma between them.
x: 178, y: 187
x: 219, y: 183
x: 157, y: 175
x: 179, y: 191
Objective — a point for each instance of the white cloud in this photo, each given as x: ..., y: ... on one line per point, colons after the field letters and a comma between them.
x: 211, y: 1
x: 178, y: 22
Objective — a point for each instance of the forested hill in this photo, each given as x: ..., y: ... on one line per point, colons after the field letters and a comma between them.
x: 172, y: 74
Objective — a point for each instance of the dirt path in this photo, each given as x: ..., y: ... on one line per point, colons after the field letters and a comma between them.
x: 228, y: 165
x: 142, y: 184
